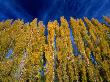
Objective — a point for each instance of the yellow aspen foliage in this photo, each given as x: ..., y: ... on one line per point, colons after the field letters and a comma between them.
x: 67, y: 52
x: 27, y: 54
x: 50, y: 53
x: 99, y: 41
x: 107, y: 19
x: 79, y: 40
x: 34, y: 23
x: 104, y: 45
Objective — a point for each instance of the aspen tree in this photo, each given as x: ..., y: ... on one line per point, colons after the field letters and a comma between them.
x: 107, y: 19
x: 5, y: 38
x: 77, y: 38
x: 59, y: 51
x: 67, y: 53
x: 50, y: 53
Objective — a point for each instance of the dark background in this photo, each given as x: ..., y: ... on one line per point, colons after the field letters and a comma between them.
x: 46, y: 10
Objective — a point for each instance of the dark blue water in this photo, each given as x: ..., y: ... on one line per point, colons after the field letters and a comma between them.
x: 52, y: 9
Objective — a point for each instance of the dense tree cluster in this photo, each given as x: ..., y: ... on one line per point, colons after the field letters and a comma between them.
x: 27, y: 54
